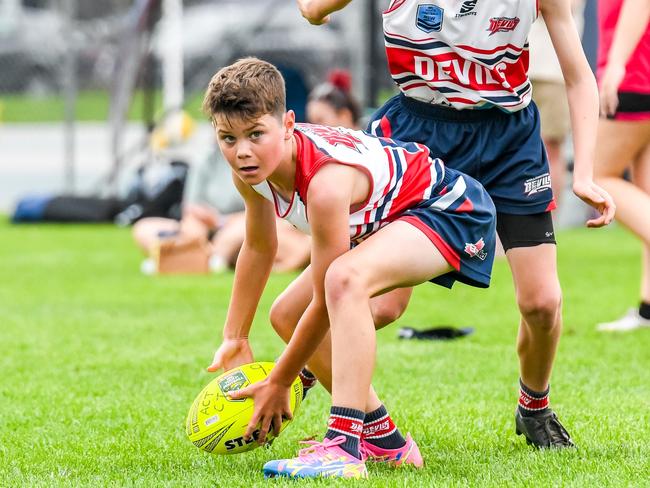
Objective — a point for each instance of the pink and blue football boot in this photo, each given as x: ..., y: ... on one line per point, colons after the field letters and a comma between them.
x: 408, y: 455
x: 321, y: 459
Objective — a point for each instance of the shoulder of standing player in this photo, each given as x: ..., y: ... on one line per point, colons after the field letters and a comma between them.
x: 556, y: 8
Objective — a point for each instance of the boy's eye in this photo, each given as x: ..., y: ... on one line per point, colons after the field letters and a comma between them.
x: 257, y: 133
x: 228, y: 139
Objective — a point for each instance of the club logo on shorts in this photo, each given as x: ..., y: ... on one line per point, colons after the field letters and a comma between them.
x: 429, y: 18
x: 467, y: 8
x: 502, y: 24
x: 537, y: 184
x: 476, y: 250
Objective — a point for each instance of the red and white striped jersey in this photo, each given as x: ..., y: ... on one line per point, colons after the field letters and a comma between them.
x: 401, y: 175
x: 465, y: 54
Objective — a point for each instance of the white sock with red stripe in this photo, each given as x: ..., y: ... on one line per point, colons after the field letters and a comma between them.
x: 379, y: 430
x: 346, y: 422
x: 532, y: 402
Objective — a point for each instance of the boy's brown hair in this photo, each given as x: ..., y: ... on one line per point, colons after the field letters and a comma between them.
x: 247, y: 89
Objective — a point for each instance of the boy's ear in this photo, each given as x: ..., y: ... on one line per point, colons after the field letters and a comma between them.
x: 289, y: 122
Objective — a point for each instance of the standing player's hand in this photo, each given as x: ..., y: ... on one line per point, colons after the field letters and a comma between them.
x: 231, y: 353
x: 593, y: 195
x: 608, y: 92
x: 271, y: 402
x: 309, y: 12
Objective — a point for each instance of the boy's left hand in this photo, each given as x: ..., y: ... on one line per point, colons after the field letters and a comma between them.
x: 595, y: 196
x: 271, y: 406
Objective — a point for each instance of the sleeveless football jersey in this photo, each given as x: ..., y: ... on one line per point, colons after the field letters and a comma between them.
x: 464, y: 54
x: 401, y: 176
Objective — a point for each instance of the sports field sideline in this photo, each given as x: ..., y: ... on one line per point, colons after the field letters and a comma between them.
x: 100, y: 365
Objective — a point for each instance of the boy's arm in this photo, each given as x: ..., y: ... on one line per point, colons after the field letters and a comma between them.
x: 251, y: 274
x: 631, y: 25
x: 582, y: 94
x: 317, y: 11
x: 328, y: 208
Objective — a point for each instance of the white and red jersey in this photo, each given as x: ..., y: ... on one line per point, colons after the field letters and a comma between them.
x: 401, y: 176
x: 464, y: 54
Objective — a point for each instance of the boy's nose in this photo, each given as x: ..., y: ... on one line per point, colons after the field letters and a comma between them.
x: 243, y: 151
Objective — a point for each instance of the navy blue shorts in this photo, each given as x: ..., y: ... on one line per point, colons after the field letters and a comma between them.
x: 460, y: 220
x: 503, y: 151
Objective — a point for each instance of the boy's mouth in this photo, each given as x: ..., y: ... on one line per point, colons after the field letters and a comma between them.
x: 248, y: 169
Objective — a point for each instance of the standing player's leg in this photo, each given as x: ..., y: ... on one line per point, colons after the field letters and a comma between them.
x: 539, y: 298
x: 531, y: 253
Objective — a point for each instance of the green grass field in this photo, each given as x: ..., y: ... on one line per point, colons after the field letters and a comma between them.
x: 100, y: 365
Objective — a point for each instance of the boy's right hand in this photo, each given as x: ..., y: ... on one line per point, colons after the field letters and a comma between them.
x: 231, y: 353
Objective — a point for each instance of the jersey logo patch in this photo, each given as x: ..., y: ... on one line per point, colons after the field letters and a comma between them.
x: 502, y: 24
x: 537, y: 184
x: 335, y: 137
x: 429, y: 18
x: 467, y: 8
x: 476, y: 250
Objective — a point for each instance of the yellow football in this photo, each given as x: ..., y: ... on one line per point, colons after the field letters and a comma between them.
x: 217, y: 424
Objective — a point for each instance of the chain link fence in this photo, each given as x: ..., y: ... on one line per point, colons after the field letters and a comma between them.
x: 49, y: 48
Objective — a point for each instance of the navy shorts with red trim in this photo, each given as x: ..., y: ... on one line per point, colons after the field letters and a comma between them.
x: 460, y: 220
x: 503, y: 151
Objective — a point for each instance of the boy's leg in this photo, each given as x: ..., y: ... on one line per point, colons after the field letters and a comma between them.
x: 291, y: 304
x: 398, y: 255
x: 381, y: 439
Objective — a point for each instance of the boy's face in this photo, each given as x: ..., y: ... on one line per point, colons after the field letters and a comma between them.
x: 254, y: 148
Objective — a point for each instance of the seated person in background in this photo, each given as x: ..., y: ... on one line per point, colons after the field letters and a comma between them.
x: 209, y: 200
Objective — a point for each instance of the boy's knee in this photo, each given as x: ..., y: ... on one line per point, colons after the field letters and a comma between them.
x: 541, y: 308
x: 342, y: 280
x: 280, y: 319
x: 386, y: 312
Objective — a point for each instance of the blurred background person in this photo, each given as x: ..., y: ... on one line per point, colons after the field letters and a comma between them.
x: 209, y: 199
x: 332, y: 103
x: 624, y: 130
x: 550, y: 96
